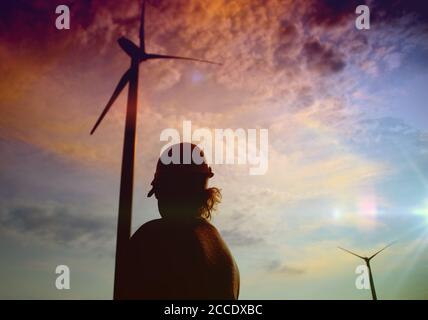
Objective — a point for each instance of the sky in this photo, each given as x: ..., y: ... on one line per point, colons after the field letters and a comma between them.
x: 345, y: 110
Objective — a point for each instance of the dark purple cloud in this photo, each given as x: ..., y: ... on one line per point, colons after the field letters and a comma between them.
x: 388, y: 11
x: 321, y: 58
x: 330, y: 13
x: 34, y: 21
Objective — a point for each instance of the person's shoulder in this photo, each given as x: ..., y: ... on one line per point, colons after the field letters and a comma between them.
x: 206, y: 230
x: 148, y: 228
x: 207, y: 226
x: 152, y: 223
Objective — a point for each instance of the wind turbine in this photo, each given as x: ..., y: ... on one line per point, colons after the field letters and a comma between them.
x: 367, y: 260
x: 137, y: 55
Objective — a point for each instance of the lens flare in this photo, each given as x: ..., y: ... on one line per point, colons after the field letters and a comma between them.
x: 423, y: 211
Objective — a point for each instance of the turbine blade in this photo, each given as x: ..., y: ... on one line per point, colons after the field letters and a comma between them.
x: 129, y: 47
x: 351, y: 252
x: 382, y: 250
x: 142, y: 38
x: 161, y: 56
x: 122, y: 83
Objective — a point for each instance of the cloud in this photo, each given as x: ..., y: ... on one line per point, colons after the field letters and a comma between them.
x: 391, y: 11
x: 289, y: 67
x: 330, y: 13
x: 269, y: 56
x: 276, y: 266
x: 235, y: 237
x: 56, y: 225
x: 321, y: 58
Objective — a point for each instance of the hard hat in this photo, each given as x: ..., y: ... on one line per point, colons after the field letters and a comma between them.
x: 169, y: 165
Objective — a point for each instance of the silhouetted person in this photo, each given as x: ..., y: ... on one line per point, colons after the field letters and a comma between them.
x: 181, y: 255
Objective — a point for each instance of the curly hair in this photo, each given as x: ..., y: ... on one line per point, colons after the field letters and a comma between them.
x: 211, y: 198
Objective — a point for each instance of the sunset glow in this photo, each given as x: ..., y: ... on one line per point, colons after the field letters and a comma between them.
x: 345, y: 111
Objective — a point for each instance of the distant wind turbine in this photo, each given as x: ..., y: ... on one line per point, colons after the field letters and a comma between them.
x: 137, y: 55
x: 367, y: 260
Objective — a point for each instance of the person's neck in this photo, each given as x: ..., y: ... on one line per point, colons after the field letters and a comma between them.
x: 182, y: 219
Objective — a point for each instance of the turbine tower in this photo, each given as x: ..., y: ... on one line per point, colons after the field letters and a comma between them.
x: 137, y: 54
x: 367, y: 260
